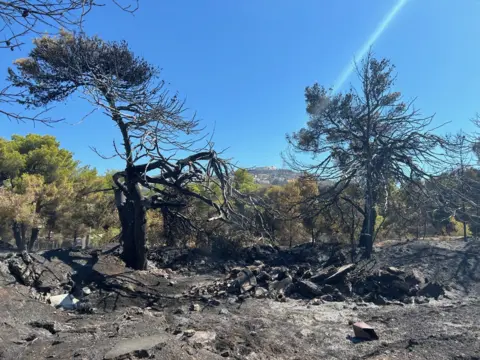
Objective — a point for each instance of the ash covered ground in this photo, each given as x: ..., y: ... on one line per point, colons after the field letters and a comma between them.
x: 421, y: 297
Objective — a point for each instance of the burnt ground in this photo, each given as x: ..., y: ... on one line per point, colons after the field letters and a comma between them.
x: 155, y: 314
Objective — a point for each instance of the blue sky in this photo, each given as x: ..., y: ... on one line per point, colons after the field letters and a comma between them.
x: 243, y: 65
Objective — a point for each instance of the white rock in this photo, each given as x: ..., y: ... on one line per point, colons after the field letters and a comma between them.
x: 126, y: 347
x: 202, y: 337
x: 65, y: 301
x: 86, y: 290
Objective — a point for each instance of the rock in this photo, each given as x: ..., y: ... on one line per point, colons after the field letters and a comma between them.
x: 260, y: 293
x: 320, y: 276
x: 421, y: 300
x: 339, y: 274
x: 195, y: 307
x: 317, y: 302
x: 327, y: 297
x: 380, y: 300
x: 223, y: 311
x: 5, y: 277
x: 307, y: 289
x: 86, y: 290
x: 263, y: 277
x: 432, y: 289
x: 280, y: 273
x: 245, y: 281
x: 258, y: 263
x: 179, y: 311
x: 338, y: 296
x: 85, y: 308
x: 172, y: 283
x: 65, y: 301
x: 202, y: 338
x: 225, y: 353
x: 189, y: 332
x: 394, y: 270
x: 21, y: 271
x: 280, y: 285
x: 136, y: 347
x: 415, y: 277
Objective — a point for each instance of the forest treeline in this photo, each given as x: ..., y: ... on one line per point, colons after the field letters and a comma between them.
x: 48, y: 194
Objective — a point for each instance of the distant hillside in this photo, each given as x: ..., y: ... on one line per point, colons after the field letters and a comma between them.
x: 270, y: 175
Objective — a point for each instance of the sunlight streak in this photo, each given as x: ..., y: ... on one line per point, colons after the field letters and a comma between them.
x: 368, y: 44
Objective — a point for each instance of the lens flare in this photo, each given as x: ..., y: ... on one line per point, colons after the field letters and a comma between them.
x: 368, y: 44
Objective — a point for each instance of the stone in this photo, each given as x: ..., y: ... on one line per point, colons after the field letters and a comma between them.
x: 317, y: 302
x: 225, y: 353
x: 214, y: 302
x: 179, y: 311
x: 421, y: 300
x: 258, y: 263
x: 244, y: 282
x: 65, y: 301
x: 263, y: 277
x: 21, y: 271
x: 394, y: 270
x: 189, y: 332
x: 380, y: 300
x: 415, y: 277
x: 5, y: 277
x: 280, y: 285
x: 307, y: 289
x: 202, y: 338
x: 86, y: 290
x: 432, y: 289
x: 260, y: 293
x: 327, y: 297
x: 136, y: 346
x: 195, y: 307
x: 224, y: 311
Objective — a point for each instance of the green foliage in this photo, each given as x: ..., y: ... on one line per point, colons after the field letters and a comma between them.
x: 244, y: 182
x: 45, y: 188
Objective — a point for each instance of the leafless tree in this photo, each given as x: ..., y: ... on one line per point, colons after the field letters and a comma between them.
x: 19, y: 18
x: 164, y: 167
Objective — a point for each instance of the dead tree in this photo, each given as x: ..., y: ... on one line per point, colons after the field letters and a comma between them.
x: 22, y: 18
x: 152, y: 128
x: 19, y: 18
x: 367, y: 137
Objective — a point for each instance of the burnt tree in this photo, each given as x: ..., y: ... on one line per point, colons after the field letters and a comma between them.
x: 151, y: 125
x: 367, y: 137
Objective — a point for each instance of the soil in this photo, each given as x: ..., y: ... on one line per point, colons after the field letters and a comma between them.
x: 126, y: 314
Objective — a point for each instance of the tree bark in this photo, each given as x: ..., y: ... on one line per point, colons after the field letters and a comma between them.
x: 33, y: 238
x: 167, y: 228
x: 132, y: 215
x: 368, y: 227
x: 17, y: 234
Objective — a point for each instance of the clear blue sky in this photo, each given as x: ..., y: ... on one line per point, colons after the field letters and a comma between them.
x: 243, y: 65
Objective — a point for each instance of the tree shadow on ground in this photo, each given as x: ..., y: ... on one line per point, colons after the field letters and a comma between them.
x: 459, y: 265
x: 124, y: 288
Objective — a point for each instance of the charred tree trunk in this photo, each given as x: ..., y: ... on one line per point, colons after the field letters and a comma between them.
x: 17, y: 234
x: 132, y: 214
x: 168, y: 232
x: 352, y: 234
x: 368, y: 227
x: 33, y: 238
